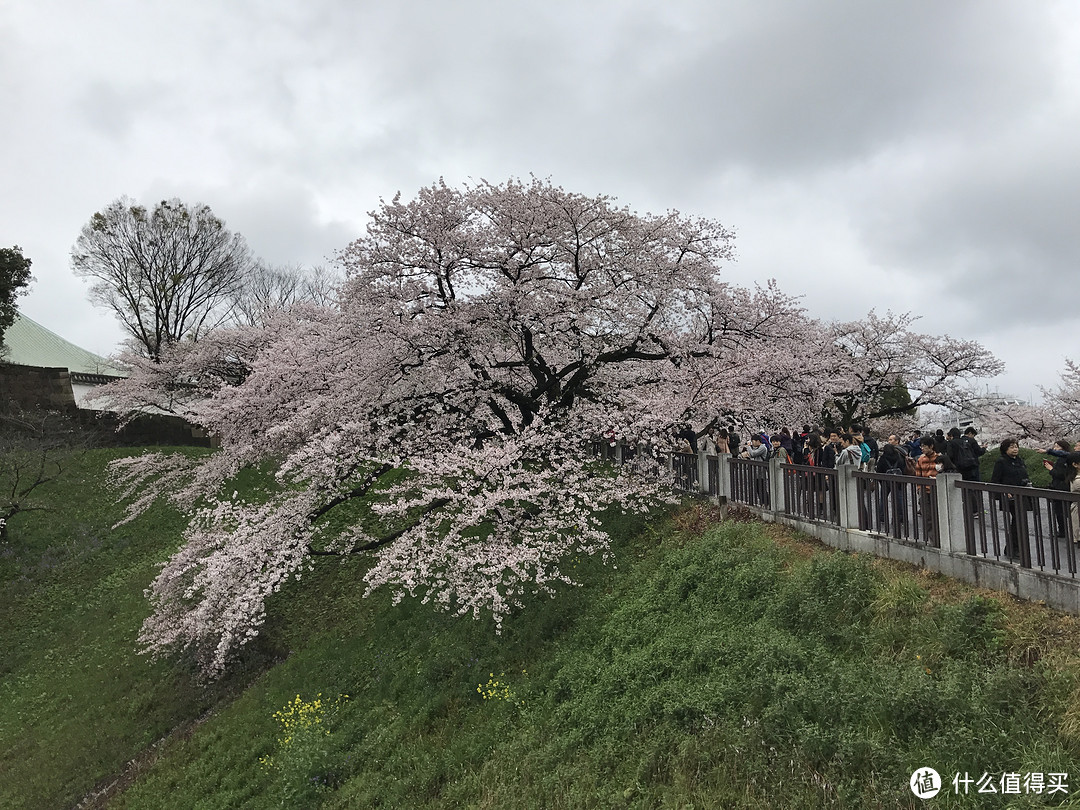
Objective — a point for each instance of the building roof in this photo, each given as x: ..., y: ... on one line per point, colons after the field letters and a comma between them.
x: 28, y: 343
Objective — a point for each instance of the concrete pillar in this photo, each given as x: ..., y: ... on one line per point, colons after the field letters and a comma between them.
x: 847, y: 497
x: 776, y: 486
x: 723, y: 485
x: 703, y: 471
x: 950, y: 506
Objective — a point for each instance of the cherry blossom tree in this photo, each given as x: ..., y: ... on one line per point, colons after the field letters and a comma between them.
x: 183, y: 376
x: 1063, y: 401
x: 1038, y: 425
x: 435, y: 419
x: 875, y: 352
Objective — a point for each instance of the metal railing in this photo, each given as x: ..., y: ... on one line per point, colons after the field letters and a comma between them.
x: 712, y: 466
x: 685, y: 468
x: 1036, y: 528
x: 750, y: 482
x: 991, y: 528
x: 811, y: 493
x: 901, y: 506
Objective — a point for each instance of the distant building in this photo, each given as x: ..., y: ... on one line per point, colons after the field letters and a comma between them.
x: 981, y: 407
x: 33, y: 355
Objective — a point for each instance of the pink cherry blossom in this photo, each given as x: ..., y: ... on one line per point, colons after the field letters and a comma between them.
x: 447, y: 400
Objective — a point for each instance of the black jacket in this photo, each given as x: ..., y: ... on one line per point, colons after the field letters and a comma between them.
x: 1011, y: 472
x: 1059, y: 474
x: 892, y: 460
x: 964, y: 452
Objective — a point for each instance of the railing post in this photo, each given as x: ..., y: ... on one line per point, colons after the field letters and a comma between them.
x: 702, y: 470
x: 950, y: 502
x: 847, y: 497
x: 619, y: 452
x: 723, y: 475
x: 776, y: 486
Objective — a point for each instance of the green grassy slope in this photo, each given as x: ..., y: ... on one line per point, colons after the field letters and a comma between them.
x: 729, y: 666
x: 78, y: 702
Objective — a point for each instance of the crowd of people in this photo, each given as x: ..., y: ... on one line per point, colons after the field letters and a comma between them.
x: 922, y: 455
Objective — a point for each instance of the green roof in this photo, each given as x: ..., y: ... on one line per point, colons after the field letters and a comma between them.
x: 28, y: 343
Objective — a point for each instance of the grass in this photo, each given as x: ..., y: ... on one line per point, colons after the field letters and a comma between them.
x: 733, y: 665
x: 78, y: 701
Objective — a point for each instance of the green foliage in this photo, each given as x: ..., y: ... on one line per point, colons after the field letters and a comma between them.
x: 712, y: 670
x: 306, y: 749
x: 14, y: 278
x: 897, y: 400
x: 78, y: 702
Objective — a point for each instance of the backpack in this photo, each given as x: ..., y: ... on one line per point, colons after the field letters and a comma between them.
x: 898, y: 469
x: 966, y: 458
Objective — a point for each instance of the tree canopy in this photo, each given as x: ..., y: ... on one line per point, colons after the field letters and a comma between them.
x: 879, y: 353
x: 167, y: 273
x: 14, y: 279
x: 436, y: 417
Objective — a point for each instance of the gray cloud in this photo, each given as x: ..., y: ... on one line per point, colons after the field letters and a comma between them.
x: 866, y: 153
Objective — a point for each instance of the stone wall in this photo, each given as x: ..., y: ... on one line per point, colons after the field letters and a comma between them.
x: 33, y: 386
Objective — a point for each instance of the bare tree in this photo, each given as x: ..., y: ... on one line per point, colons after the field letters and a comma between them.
x: 268, y: 288
x: 36, y: 446
x: 168, y: 274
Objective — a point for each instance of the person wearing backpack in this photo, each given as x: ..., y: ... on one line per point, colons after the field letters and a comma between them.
x: 778, y: 450
x: 863, y: 448
x: 976, y: 449
x: 893, y: 461
x: 962, y: 456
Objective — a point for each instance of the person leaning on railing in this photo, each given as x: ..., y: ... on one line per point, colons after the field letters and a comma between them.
x: 1059, y: 480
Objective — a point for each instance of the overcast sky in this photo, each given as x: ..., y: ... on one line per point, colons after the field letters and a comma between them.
x: 913, y: 156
